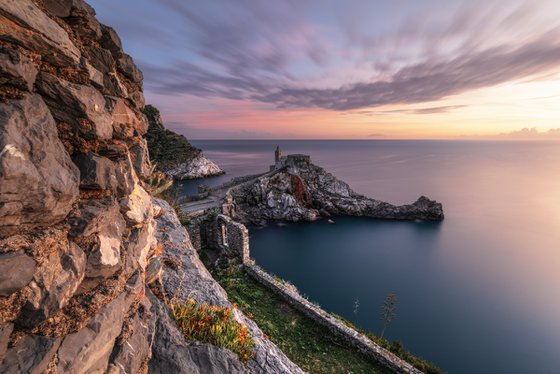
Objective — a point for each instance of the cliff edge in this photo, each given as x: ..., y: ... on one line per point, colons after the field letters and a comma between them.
x: 81, y: 250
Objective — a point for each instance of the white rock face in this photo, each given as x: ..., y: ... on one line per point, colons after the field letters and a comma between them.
x: 199, y: 167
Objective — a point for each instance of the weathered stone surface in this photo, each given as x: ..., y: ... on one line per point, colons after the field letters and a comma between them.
x: 16, y: 271
x: 96, y: 172
x: 5, y: 331
x: 172, y: 354
x: 88, y: 350
x: 297, y: 190
x: 22, y: 22
x: 126, y: 66
x: 38, y: 181
x: 81, y: 106
x: 32, y: 354
x: 95, y: 76
x: 101, y: 59
x: 111, y: 41
x: 97, y: 216
x: 127, y: 123
x: 54, y: 283
x: 137, y: 207
x: 59, y: 8
x: 126, y: 176
x: 138, y: 246
x: 153, y: 271
x: 16, y: 69
x: 198, y: 167
x: 134, y: 346
x: 141, y: 159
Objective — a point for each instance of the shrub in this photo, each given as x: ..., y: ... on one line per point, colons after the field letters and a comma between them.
x: 214, y: 325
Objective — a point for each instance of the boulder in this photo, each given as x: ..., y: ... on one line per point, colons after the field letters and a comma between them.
x: 96, y: 172
x: 38, y: 181
x: 16, y: 69
x: 101, y: 59
x: 81, y: 106
x: 16, y: 271
x: 22, y: 22
x: 32, y: 354
x: 54, y: 283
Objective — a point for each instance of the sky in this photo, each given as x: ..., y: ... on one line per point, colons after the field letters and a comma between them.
x: 348, y: 69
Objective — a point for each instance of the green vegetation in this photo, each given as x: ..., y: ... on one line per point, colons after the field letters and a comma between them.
x: 214, y: 325
x: 167, y: 149
x: 305, y: 342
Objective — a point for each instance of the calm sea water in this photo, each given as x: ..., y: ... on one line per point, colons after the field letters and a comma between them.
x: 477, y: 293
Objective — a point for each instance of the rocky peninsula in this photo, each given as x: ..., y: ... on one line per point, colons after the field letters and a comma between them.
x: 295, y: 190
x: 172, y: 153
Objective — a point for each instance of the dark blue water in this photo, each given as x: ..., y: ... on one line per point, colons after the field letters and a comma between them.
x: 477, y: 293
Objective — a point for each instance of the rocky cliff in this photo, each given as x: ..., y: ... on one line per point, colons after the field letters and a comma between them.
x: 78, y: 237
x: 173, y: 154
x: 298, y: 190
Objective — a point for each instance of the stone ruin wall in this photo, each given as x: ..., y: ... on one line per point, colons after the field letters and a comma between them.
x: 76, y: 220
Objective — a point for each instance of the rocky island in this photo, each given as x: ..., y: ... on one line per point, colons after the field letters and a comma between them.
x: 295, y: 190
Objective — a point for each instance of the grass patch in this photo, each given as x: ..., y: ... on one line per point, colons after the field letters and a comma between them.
x: 214, y: 325
x: 308, y: 344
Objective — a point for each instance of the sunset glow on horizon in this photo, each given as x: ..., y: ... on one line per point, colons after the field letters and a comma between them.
x: 347, y: 69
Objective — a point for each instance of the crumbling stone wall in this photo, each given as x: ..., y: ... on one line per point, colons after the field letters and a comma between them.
x: 76, y: 220
x: 230, y: 238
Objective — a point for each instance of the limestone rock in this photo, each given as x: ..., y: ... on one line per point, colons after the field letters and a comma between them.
x: 133, y: 350
x: 139, y: 243
x: 32, y: 354
x: 5, y: 332
x: 54, y: 283
x: 38, y: 181
x: 89, y: 350
x: 126, y: 65
x: 154, y: 269
x: 16, y: 271
x: 127, y: 123
x: 59, y: 8
x: 96, y: 172
x: 141, y: 159
x: 16, y: 69
x: 81, y: 106
x: 137, y: 207
x: 22, y: 22
x: 198, y: 167
x: 111, y: 41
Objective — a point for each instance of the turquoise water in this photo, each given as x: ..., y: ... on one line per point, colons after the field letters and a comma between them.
x: 477, y: 293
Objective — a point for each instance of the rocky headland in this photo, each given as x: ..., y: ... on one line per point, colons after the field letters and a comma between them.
x: 297, y: 190
x: 172, y: 153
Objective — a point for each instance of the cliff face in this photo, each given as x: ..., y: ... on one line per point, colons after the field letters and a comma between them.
x: 78, y: 243
x: 298, y: 190
x: 173, y: 154
x: 76, y: 220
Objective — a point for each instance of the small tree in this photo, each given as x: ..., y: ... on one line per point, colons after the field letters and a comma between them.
x: 388, y: 311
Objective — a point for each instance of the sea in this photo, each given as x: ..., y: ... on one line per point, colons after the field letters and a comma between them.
x: 476, y: 293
